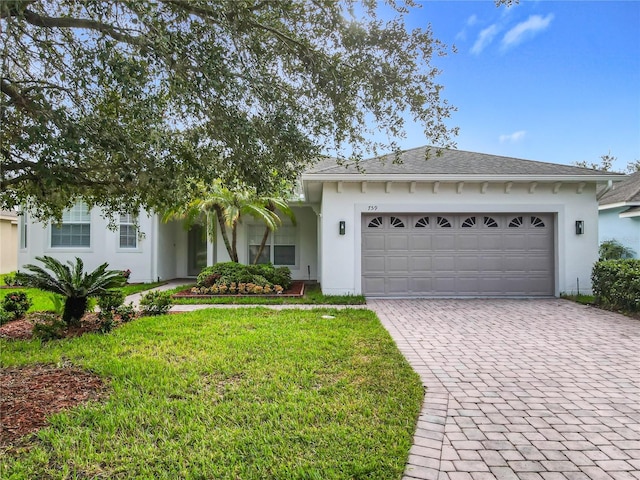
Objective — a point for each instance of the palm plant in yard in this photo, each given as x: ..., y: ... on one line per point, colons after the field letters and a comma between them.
x: 226, y: 207
x: 71, y: 282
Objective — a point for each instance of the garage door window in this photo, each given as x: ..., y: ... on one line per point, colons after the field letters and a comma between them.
x: 490, y: 222
x: 443, y: 222
x: 375, y: 222
x: 537, y: 222
x: 469, y: 222
x: 422, y: 222
x: 395, y: 222
x: 516, y: 222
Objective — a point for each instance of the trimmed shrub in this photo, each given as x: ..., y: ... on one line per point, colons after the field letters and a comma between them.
x: 51, y: 329
x: 110, y: 300
x: 16, y: 303
x: 155, y: 303
x: 616, y: 284
x: 228, y: 273
x: 5, y: 317
x: 126, y: 312
x: 614, y: 250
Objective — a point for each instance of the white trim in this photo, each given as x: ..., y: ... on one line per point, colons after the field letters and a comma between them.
x: 610, y: 206
x: 466, y: 177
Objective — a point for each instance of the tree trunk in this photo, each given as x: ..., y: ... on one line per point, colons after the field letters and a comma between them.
x: 223, y: 232
x: 262, y: 245
x: 234, y: 239
x: 74, y: 308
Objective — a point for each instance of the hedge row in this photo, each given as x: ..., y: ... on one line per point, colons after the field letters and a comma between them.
x: 226, y: 273
x: 616, y: 284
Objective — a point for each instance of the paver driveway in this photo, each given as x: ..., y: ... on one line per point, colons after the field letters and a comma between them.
x: 520, y: 389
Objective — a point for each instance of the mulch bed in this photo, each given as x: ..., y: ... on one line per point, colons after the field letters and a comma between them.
x: 296, y: 290
x: 30, y: 394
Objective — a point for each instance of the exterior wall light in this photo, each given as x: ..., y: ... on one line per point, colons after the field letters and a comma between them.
x: 579, y: 227
x: 342, y: 227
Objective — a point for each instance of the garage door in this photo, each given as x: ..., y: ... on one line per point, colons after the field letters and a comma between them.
x: 457, y: 254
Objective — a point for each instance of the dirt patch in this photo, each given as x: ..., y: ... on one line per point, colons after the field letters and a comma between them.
x: 30, y: 394
x: 22, y: 329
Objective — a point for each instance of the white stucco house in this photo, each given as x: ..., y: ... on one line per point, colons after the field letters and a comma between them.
x: 619, y: 213
x: 454, y: 224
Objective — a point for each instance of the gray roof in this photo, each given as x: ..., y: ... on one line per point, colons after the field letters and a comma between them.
x: 9, y: 213
x: 627, y: 191
x: 427, y: 161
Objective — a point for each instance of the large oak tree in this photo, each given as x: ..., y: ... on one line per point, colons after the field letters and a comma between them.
x: 125, y: 103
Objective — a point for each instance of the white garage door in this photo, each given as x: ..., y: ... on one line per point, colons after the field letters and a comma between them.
x: 458, y: 254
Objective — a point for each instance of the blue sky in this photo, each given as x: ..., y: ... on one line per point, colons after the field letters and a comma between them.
x: 555, y: 81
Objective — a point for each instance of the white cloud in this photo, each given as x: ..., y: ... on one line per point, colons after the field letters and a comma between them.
x: 484, y: 39
x: 514, y: 137
x: 472, y: 20
x: 527, y: 29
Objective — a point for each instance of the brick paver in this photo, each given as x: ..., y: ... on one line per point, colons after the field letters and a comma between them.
x: 520, y: 389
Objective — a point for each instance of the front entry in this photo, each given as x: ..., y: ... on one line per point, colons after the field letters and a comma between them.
x: 197, y: 254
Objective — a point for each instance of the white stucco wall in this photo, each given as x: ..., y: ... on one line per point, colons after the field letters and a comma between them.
x: 341, y: 254
x: 104, y: 247
x: 624, y: 230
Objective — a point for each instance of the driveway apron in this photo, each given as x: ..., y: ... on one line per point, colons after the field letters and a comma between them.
x: 520, y: 389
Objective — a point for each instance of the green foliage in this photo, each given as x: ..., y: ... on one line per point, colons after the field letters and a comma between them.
x: 110, y: 300
x: 71, y: 282
x: 123, y: 104
x: 614, y: 250
x: 58, y: 303
x: 5, y: 317
x: 52, y: 328
x: 155, y: 303
x: 10, y: 280
x: 616, y: 284
x: 225, y: 273
x: 16, y: 303
x: 126, y: 312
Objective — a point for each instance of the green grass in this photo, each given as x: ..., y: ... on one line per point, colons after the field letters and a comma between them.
x: 580, y: 298
x: 250, y: 394
x: 42, y: 301
x: 131, y: 288
x: 312, y: 296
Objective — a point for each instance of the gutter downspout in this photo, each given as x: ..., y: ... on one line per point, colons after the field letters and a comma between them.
x: 606, y: 189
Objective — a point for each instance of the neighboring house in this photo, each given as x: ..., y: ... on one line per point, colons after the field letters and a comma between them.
x: 619, y: 213
x: 455, y: 224
x: 8, y: 241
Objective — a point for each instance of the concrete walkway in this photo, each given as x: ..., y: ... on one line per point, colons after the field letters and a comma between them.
x: 520, y: 389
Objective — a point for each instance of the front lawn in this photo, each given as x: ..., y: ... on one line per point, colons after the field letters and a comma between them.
x: 249, y: 393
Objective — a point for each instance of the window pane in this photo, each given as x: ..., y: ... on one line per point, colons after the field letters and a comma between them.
x: 285, y: 236
x: 284, y: 255
x: 71, y: 235
x: 128, y: 236
x: 264, y: 257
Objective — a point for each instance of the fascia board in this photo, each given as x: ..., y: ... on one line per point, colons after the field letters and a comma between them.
x: 327, y: 177
x: 610, y: 206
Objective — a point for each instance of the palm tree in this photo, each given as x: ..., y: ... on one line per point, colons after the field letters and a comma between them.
x: 228, y: 207
x: 71, y: 282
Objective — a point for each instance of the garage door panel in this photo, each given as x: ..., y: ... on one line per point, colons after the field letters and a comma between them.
x: 420, y: 241
x: 397, y: 285
x: 397, y: 264
x: 490, y: 259
x: 465, y: 263
x: 441, y: 241
x: 420, y: 264
x: 373, y: 242
x: 397, y: 242
x: 373, y: 264
x: 374, y: 285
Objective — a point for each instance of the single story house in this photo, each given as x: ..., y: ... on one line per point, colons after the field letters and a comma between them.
x: 619, y: 213
x: 423, y: 223
x: 8, y: 241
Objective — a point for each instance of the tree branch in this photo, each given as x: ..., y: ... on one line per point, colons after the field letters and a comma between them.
x: 68, y: 22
